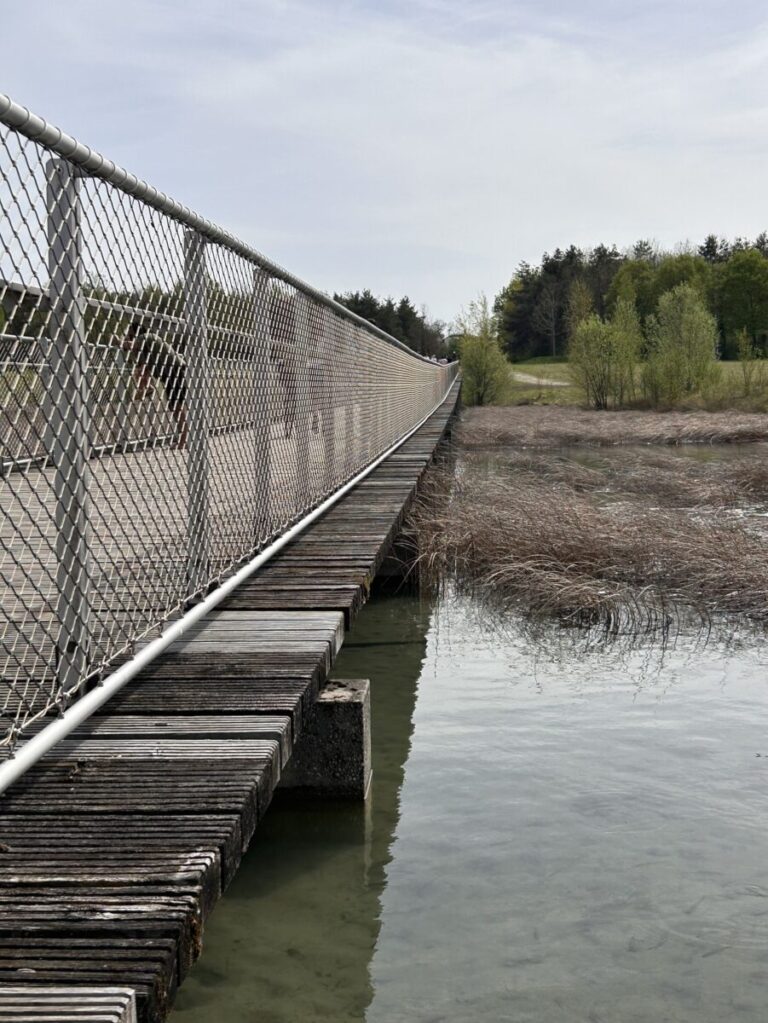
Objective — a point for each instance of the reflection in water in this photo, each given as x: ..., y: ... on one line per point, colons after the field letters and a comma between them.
x: 294, y: 935
x: 558, y: 834
x: 581, y: 839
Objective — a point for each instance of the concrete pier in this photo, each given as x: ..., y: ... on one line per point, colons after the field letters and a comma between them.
x: 333, y: 758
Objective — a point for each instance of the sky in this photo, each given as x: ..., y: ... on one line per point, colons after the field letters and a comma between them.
x: 419, y: 147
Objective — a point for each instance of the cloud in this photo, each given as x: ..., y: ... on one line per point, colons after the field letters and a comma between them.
x: 422, y: 147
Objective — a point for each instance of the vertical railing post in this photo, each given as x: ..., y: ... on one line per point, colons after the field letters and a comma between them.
x: 351, y: 392
x: 198, y: 379
x: 67, y: 434
x: 327, y: 357
x: 303, y: 412
x: 262, y: 397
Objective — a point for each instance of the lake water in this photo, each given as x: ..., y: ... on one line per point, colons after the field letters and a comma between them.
x: 554, y: 834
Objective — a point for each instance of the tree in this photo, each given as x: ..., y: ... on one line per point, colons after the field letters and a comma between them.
x: 402, y: 321
x: 591, y: 360
x: 602, y: 266
x: 485, y: 370
x: 513, y: 309
x: 633, y: 282
x: 579, y: 305
x: 682, y: 339
x: 547, y: 313
x: 714, y: 249
x: 645, y: 250
x: 627, y: 347
x: 743, y: 295
x: 683, y: 268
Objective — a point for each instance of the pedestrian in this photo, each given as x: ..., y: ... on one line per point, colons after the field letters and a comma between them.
x: 158, y: 361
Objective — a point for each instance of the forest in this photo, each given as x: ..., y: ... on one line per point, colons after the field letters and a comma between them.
x: 534, y: 312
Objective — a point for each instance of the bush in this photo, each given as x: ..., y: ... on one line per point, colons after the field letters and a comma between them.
x: 484, y: 370
x: 682, y: 348
x: 603, y: 356
x: 484, y: 367
x: 591, y: 360
x: 752, y: 367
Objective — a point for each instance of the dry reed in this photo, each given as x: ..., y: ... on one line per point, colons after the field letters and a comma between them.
x: 526, y: 426
x: 541, y: 546
x: 655, y: 476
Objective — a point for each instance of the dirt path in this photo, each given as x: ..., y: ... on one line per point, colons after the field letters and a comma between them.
x: 526, y: 378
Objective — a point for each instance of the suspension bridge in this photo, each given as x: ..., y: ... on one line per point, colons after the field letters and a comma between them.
x: 205, y: 463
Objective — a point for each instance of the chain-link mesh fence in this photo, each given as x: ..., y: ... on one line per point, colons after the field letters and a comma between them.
x: 170, y: 403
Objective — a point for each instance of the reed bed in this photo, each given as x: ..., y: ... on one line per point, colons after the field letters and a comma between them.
x: 535, y: 426
x: 542, y: 539
x: 653, y: 475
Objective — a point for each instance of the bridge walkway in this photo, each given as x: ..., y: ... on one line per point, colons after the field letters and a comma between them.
x: 116, y: 847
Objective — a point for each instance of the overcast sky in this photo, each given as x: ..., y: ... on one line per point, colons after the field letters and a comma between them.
x: 416, y: 146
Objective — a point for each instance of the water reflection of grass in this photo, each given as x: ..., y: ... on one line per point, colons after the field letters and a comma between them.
x: 626, y: 542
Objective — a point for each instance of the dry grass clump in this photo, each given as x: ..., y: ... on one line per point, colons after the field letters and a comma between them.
x: 654, y: 475
x: 543, y: 548
x: 555, y: 426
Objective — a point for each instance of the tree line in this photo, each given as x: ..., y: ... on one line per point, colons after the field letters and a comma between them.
x: 536, y: 313
x: 400, y: 319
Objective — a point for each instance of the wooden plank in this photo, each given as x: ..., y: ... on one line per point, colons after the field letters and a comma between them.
x: 36, y: 1004
x: 57, y: 836
x: 266, y: 727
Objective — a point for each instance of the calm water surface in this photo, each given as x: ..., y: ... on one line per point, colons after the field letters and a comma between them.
x: 554, y: 834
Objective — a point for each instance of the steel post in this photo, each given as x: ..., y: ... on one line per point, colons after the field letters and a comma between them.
x: 198, y: 381
x: 303, y: 410
x: 262, y: 408
x: 67, y: 440
x: 328, y: 395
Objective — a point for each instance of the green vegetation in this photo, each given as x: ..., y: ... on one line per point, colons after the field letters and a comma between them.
x: 640, y: 329
x: 682, y: 348
x: 603, y: 356
x: 400, y: 319
x: 484, y: 366
x: 536, y: 310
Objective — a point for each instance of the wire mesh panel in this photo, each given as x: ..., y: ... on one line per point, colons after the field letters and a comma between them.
x: 170, y: 403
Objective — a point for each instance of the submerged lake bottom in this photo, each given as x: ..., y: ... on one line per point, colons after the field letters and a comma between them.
x: 555, y: 833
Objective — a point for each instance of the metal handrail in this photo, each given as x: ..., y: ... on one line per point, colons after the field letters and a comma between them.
x: 132, y: 487
x: 37, y: 129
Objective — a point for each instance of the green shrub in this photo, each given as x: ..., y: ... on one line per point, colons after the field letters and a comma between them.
x: 602, y: 356
x: 682, y: 348
x: 484, y: 370
x: 590, y: 357
x: 484, y: 367
x: 751, y: 364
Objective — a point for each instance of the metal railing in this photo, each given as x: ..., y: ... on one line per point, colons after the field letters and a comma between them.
x: 171, y: 402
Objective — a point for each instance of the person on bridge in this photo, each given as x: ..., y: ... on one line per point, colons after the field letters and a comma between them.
x: 158, y: 361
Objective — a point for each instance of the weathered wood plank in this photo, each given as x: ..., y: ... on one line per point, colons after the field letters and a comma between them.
x: 35, y: 1004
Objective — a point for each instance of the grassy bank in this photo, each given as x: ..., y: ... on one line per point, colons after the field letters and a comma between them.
x: 627, y: 540
x: 555, y: 386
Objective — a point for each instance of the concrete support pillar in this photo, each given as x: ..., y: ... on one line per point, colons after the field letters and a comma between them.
x: 332, y: 759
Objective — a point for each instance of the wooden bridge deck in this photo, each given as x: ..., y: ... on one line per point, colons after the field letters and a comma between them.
x: 115, y: 848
